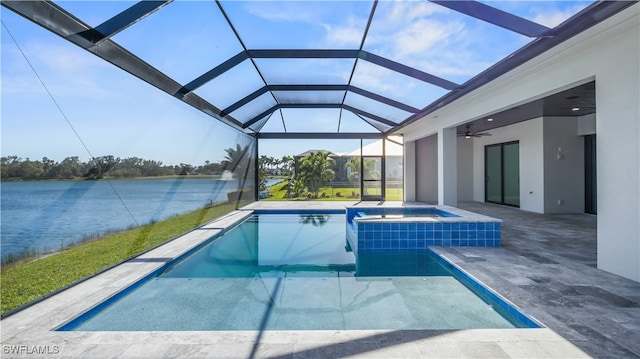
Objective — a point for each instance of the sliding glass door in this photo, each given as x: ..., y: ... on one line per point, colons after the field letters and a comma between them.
x: 502, y: 173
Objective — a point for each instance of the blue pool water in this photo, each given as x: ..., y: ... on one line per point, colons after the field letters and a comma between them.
x: 295, y: 272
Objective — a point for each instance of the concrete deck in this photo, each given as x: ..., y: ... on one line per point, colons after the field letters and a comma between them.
x: 546, y: 266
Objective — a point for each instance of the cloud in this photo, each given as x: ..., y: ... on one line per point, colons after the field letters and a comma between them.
x: 284, y: 11
x: 348, y: 34
x: 554, y: 17
x: 408, y: 11
x: 417, y: 35
x: 65, y: 70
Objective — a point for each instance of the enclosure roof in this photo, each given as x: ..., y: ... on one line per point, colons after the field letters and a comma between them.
x: 325, y: 68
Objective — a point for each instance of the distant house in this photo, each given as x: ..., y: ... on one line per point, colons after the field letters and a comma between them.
x: 394, y: 153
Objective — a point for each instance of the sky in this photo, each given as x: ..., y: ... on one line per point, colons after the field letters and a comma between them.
x: 76, y: 104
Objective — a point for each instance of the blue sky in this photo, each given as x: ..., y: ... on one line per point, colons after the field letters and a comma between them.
x: 114, y: 113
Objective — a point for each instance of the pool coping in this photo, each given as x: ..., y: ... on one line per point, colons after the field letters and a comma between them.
x: 32, y: 331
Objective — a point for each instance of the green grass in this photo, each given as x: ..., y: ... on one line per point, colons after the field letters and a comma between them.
x: 279, y: 193
x: 24, y: 282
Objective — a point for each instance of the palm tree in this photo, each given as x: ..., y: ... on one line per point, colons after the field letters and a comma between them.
x: 315, y: 170
x: 287, y: 164
x: 235, y: 160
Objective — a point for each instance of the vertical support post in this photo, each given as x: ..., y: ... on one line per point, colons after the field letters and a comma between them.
x: 409, y: 174
x: 383, y: 169
x: 447, y: 167
x: 256, y: 179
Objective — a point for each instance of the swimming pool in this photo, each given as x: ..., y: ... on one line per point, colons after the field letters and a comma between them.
x: 295, y: 272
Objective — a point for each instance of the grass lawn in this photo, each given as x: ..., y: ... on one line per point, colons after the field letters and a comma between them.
x: 27, y: 281
x: 278, y: 192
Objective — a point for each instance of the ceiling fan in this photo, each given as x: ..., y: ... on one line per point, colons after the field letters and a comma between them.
x: 468, y: 133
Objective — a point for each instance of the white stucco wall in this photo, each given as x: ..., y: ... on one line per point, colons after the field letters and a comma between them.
x: 427, y: 169
x: 608, y: 53
x: 465, y: 169
x: 587, y: 125
x: 618, y: 150
x: 409, y: 169
x: 563, y: 166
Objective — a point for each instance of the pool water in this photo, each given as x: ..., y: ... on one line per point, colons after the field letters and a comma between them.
x: 291, y: 272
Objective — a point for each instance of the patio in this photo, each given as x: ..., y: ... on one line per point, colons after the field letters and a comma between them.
x: 588, y: 312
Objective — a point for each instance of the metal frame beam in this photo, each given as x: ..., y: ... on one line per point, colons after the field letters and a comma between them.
x: 127, y: 18
x: 318, y: 105
x: 60, y: 22
x: 318, y: 54
x: 328, y: 87
x: 319, y: 135
x: 352, y: 54
x: 496, y: 17
x: 212, y: 74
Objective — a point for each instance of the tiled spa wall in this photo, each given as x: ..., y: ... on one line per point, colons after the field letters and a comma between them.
x: 415, y: 234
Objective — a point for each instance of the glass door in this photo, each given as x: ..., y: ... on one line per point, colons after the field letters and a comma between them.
x: 493, y: 173
x: 511, y: 174
x: 502, y: 173
x: 372, y: 179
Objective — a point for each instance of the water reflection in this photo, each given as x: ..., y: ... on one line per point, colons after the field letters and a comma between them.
x: 316, y: 220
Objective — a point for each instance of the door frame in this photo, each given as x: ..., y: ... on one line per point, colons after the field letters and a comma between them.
x: 486, y: 166
x: 375, y: 197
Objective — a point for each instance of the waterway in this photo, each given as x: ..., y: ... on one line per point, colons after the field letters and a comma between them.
x: 49, y: 215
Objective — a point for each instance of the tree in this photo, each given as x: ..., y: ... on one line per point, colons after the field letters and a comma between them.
x: 354, y: 165
x: 185, y: 169
x: 287, y: 165
x: 296, y: 187
x: 370, y: 171
x: 9, y: 166
x: 262, y: 173
x: 30, y: 169
x: 101, y: 165
x: 315, y: 171
x: 69, y: 168
x: 235, y: 160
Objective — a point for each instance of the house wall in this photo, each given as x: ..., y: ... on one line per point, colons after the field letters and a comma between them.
x: 563, y: 166
x: 587, y: 125
x: 410, y: 171
x: 608, y: 53
x: 465, y: 169
x: 427, y: 169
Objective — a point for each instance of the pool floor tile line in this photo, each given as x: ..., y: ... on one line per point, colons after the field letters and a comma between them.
x: 588, y: 312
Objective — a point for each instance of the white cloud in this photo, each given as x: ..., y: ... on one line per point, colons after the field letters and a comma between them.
x: 65, y: 71
x: 284, y: 11
x: 555, y: 17
x: 422, y: 36
x: 348, y: 34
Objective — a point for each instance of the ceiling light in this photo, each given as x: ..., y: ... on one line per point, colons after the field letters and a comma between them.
x: 467, y: 135
x: 574, y: 109
x: 489, y: 120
